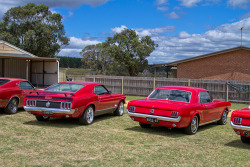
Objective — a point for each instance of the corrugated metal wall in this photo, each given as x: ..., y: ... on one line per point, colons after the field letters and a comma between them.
x: 15, y: 68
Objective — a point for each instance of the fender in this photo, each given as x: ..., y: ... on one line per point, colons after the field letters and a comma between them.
x: 14, y: 96
x: 196, y: 112
x: 88, y: 104
x: 224, y: 110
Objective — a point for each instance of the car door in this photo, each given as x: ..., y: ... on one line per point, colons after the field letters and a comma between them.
x: 26, y: 88
x: 104, y: 104
x: 209, y: 110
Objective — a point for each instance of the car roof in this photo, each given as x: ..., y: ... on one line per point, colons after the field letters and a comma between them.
x: 185, y: 88
x: 14, y: 79
x: 82, y: 82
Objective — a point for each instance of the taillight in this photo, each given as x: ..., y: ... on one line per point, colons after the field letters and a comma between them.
x: 131, y: 109
x: 237, y: 120
x: 66, y: 105
x: 174, y: 114
x: 30, y: 103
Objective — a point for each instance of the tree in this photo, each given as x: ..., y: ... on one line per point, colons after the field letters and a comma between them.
x: 130, y: 50
x: 35, y: 29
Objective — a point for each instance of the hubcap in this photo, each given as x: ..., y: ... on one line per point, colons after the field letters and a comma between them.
x: 13, y: 105
x: 121, y: 108
x: 224, y: 117
x: 45, y: 117
x: 194, y: 124
x: 90, y: 115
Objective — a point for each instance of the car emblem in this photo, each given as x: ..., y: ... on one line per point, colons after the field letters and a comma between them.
x: 47, y: 104
x: 152, y: 111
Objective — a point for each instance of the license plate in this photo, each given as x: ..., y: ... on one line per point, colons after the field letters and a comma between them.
x: 47, y: 112
x: 152, y: 120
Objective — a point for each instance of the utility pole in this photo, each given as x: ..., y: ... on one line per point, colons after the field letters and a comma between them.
x: 241, y: 29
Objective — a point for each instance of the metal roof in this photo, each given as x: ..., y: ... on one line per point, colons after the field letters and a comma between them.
x: 202, y: 56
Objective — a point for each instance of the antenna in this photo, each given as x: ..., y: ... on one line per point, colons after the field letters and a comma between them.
x: 241, y: 29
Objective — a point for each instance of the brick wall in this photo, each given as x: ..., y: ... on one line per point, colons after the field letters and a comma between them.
x: 233, y: 65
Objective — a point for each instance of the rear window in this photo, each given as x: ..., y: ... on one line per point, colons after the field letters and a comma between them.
x: 171, y: 94
x: 3, y: 81
x: 65, y: 87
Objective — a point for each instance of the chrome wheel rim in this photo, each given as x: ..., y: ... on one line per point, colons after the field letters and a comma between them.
x: 121, y: 108
x: 194, y: 124
x: 224, y: 117
x: 90, y: 115
x: 13, y: 105
x: 45, y: 117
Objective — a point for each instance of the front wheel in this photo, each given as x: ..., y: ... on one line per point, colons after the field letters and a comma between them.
x: 42, y: 118
x: 87, y: 117
x: 120, y: 109
x: 223, y: 119
x: 245, y: 139
x: 193, y: 126
x: 12, y: 107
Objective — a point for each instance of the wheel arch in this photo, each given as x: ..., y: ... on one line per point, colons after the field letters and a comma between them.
x: 12, y: 97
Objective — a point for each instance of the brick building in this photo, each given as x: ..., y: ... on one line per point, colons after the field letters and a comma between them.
x: 230, y: 64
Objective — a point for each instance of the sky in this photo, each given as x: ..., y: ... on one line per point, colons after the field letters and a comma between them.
x: 181, y: 28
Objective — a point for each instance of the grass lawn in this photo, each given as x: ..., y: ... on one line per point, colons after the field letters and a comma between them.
x: 115, y: 141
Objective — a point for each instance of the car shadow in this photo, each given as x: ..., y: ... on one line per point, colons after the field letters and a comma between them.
x: 65, y: 122
x: 238, y: 144
x: 170, y: 132
x: 2, y: 113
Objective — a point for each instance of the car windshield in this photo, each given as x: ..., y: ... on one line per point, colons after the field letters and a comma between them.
x: 65, y: 87
x: 3, y: 81
x: 171, y: 94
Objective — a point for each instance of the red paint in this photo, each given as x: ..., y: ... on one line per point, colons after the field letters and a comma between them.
x: 11, y: 90
x: 80, y: 100
x: 207, y: 112
x: 244, y: 114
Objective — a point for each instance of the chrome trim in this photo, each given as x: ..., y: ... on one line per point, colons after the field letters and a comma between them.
x: 209, y: 122
x: 53, y: 110
x: 240, y: 127
x: 169, y: 119
x: 106, y: 109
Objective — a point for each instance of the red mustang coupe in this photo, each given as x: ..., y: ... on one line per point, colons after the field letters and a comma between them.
x: 12, y: 93
x: 240, y: 122
x: 178, y: 107
x: 76, y: 99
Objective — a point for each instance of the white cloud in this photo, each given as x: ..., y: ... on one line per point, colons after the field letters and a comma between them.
x: 155, y: 31
x: 173, y: 15
x: 189, y: 3
x: 162, y: 8
x: 239, y: 3
x: 118, y: 29
x: 161, y: 2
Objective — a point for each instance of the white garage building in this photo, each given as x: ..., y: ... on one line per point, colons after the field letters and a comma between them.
x: 17, y: 63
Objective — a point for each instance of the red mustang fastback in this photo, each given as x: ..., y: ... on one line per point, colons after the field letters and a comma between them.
x: 240, y: 122
x: 12, y: 93
x: 178, y: 107
x: 76, y: 99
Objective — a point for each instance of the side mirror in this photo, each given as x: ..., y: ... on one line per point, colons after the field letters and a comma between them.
x: 110, y: 92
x: 34, y: 88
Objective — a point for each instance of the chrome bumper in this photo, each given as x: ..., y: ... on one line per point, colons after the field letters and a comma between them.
x: 240, y: 127
x: 53, y: 110
x: 169, y: 119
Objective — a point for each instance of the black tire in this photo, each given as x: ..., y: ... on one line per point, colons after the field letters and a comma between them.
x: 120, y: 109
x: 87, y: 117
x: 42, y: 118
x: 193, y: 126
x: 223, y: 119
x: 12, y: 106
x: 245, y: 139
x: 143, y: 125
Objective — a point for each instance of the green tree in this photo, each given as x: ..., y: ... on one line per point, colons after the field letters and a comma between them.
x: 130, y: 50
x: 35, y: 29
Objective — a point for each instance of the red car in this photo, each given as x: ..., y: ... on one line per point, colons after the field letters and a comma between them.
x: 240, y: 122
x: 12, y: 93
x: 178, y: 107
x: 75, y: 99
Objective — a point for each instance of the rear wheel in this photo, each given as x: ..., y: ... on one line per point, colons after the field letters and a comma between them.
x: 245, y: 139
x: 223, y: 119
x: 42, y: 118
x: 87, y: 117
x: 143, y: 125
x: 193, y: 126
x: 12, y: 107
x: 120, y: 109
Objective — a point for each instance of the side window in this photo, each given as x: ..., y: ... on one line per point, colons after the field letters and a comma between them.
x: 101, y: 90
x: 25, y: 85
x: 205, y: 97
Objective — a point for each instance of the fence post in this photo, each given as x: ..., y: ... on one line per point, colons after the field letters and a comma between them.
x: 227, y: 92
x: 94, y: 79
x: 122, y: 85
x: 154, y: 84
x: 189, y: 82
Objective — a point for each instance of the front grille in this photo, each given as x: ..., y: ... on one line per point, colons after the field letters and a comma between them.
x: 52, y: 104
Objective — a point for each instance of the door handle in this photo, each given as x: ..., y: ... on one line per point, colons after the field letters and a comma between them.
x: 206, y: 106
x: 100, y: 98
